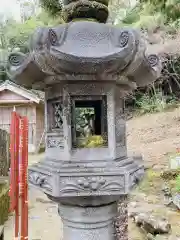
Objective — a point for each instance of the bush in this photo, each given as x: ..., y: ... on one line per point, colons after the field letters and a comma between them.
x: 178, y: 183
x: 4, y: 203
x: 148, y: 103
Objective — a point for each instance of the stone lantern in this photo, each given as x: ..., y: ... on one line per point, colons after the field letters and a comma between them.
x: 85, y: 68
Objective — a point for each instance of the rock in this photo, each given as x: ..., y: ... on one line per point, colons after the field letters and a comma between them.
x: 150, y: 236
x: 176, y: 200
x: 175, y: 162
x: 161, y: 237
x: 165, y: 237
x: 167, y: 191
x: 133, y: 204
x: 151, y: 224
x: 173, y: 202
x: 168, y: 202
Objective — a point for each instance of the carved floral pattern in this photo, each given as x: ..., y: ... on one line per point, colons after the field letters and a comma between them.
x: 92, y: 184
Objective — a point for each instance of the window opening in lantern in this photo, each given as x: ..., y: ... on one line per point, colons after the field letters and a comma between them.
x: 89, y: 127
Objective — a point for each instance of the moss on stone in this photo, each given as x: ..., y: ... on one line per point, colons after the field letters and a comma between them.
x: 4, y: 203
x: 85, y: 9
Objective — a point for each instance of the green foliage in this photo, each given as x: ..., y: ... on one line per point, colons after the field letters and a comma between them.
x: 49, y: 20
x: 170, y: 8
x: 132, y: 16
x: 143, y: 16
x: 4, y: 203
x: 53, y: 7
x: 153, y: 103
x: 148, y: 104
x: 16, y: 35
x: 151, y: 14
x: 3, y: 75
x: 170, y: 174
x: 83, y: 116
x: 164, y: 93
x: 178, y: 184
x: 148, y: 184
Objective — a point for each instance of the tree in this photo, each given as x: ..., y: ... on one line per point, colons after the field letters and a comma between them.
x: 170, y: 8
x: 15, y: 35
x: 53, y: 7
x: 118, y: 9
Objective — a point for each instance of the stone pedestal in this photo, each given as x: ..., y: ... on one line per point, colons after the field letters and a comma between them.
x: 88, y: 223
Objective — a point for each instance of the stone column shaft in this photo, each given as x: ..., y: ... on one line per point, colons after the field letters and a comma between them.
x: 88, y: 223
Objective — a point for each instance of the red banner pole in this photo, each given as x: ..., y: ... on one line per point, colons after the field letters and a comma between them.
x: 21, y: 129
x: 24, y: 187
x: 25, y: 155
x: 12, y: 166
x: 18, y: 173
x: 17, y: 119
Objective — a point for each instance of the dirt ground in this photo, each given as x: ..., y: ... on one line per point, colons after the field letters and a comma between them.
x: 154, y: 136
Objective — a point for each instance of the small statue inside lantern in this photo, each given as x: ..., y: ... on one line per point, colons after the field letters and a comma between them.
x: 89, y: 122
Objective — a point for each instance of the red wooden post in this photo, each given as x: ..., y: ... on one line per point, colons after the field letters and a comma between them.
x: 14, y: 171
x: 12, y: 167
x: 25, y: 156
x: 21, y: 128
x: 23, y: 181
x: 18, y: 177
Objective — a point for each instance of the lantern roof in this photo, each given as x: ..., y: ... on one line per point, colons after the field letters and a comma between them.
x: 84, y: 51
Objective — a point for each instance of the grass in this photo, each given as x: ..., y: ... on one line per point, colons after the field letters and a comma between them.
x: 155, y: 103
x: 150, y: 182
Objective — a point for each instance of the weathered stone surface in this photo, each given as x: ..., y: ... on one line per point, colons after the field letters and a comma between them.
x: 65, y: 57
x: 88, y: 222
x: 102, y: 178
x: 171, y: 200
x: 176, y: 200
x: 166, y: 237
x: 151, y: 224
